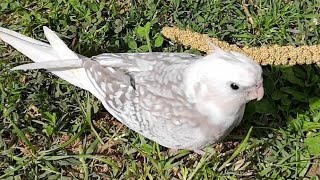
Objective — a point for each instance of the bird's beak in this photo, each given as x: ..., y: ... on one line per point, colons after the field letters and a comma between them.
x: 256, y: 93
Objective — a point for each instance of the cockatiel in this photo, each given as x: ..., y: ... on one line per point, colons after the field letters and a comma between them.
x: 179, y: 100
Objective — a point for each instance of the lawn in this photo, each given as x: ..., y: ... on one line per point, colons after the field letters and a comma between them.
x: 50, y: 129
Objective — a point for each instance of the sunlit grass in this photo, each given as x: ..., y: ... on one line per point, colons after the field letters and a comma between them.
x: 51, y: 129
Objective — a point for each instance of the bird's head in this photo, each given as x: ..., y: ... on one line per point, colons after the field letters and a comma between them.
x: 228, y: 78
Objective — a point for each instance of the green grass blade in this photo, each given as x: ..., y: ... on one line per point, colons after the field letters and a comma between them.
x: 23, y: 137
x: 240, y: 149
x: 21, y: 165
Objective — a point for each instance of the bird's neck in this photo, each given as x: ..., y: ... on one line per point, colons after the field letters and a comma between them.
x: 220, y: 113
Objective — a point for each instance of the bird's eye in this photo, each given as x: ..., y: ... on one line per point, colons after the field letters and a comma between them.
x: 234, y: 86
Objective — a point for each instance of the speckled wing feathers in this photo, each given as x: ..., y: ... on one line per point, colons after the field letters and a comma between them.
x: 114, y: 87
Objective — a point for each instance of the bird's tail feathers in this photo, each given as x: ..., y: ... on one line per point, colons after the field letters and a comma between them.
x: 36, y: 50
x: 61, y: 49
x: 55, y: 53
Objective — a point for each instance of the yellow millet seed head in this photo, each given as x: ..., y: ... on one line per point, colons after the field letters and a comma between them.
x: 272, y: 55
x: 188, y: 38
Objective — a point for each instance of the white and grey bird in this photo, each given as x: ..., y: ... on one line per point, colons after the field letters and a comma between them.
x: 179, y: 100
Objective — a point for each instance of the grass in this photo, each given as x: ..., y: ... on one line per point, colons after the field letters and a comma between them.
x: 50, y: 129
